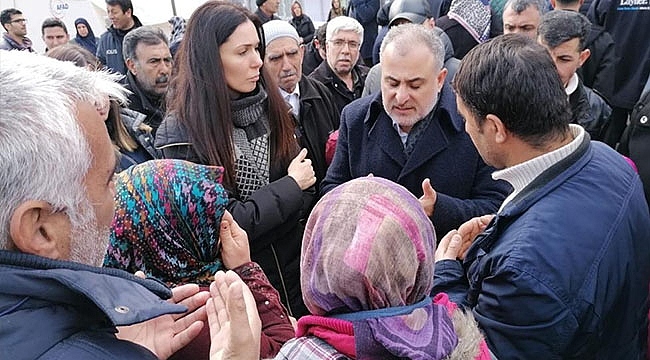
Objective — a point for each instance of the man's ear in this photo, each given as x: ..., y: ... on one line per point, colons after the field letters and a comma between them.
x: 584, y: 55
x: 497, y: 128
x: 130, y: 65
x: 441, y: 78
x: 35, y: 229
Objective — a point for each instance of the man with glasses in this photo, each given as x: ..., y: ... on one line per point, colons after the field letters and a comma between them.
x: 15, y: 26
x: 341, y: 73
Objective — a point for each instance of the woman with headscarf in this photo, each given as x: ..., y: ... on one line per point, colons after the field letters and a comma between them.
x: 178, y: 31
x: 367, y: 272
x: 467, y: 24
x: 85, y: 36
x: 226, y: 111
x: 171, y: 223
x: 302, y: 23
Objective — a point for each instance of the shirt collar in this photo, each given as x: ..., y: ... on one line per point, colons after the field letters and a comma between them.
x: 572, y: 85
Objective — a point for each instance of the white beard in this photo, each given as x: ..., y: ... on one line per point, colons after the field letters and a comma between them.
x: 88, y: 241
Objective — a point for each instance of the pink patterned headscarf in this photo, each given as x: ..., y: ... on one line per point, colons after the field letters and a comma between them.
x: 368, y: 257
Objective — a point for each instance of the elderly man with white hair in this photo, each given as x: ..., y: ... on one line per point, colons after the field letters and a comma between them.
x: 56, y: 207
x: 312, y: 106
x: 342, y: 73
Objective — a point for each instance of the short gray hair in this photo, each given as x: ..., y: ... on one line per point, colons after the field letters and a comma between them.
x: 148, y: 35
x: 542, y: 6
x: 343, y: 23
x: 408, y: 36
x: 43, y: 151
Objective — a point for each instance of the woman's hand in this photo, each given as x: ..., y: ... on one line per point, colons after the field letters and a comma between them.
x: 301, y: 170
x: 235, y: 250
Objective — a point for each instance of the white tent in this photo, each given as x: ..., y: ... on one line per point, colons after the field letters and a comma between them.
x: 150, y: 12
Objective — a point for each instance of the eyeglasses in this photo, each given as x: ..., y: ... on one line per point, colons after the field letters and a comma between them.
x: 340, y: 43
x: 20, y: 21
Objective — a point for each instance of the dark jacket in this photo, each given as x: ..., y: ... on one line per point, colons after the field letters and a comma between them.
x: 263, y: 18
x: 340, y: 92
x: 365, y: 11
x: 271, y: 216
x: 312, y: 59
x: 7, y: 43
x: 628, y: 23
x: 635, y: 142
x: 53, y: 309
x: 140, y: 102
x: 368, y: 143
x: 590, y: 111
x: 109, y: 47
x: 133, y: 122
x: 318, y: 119
x: 304, y: 26
x: 562, y: 272
x: 598, y: 71
x: 460, y: 38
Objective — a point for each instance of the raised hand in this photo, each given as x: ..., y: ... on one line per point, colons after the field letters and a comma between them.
x: 235, y: 326
x: 167, y: 334
x: 429, y: 197
x: 301, y: 171
x: 235, y: 250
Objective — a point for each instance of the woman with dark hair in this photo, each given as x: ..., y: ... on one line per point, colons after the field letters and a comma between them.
x: 85, y: 36
x: 336, y: 10
x: 225, y: 111
x: 126, y: 128
x: 302, y: 23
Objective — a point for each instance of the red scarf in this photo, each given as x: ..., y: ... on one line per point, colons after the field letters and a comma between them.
x: 338, y: 333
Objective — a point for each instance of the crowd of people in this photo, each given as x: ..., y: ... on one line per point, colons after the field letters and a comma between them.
x: 417, y: 179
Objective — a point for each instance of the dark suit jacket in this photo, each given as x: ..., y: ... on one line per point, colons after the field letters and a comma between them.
x: 444, y: 153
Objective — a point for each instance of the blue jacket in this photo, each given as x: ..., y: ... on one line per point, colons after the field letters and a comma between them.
x: 62, y: 310
x: 562, y: 271
x: 368, y: 143
x: 109, y: 47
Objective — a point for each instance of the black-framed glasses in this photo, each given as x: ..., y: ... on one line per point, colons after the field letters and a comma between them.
x: 19, y: 21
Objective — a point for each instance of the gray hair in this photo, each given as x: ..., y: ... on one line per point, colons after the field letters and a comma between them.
x: 43, y: 151
x: 343, y: 23
x: 542, y: 6
x: 148, y: 35
x: 409, y: 36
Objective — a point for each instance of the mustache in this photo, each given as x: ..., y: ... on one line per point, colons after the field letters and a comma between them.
x: 288, y: 74
x: 162, y: 79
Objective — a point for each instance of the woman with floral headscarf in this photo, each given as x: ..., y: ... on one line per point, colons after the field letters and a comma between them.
x: 85, y: 36
x: 171, y: 223
x: 366, y: 274
x: 467, y: 24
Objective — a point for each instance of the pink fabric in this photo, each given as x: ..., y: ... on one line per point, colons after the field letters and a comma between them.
x: 484, y: 351
x: 336, y: 332
x: 629, y: 161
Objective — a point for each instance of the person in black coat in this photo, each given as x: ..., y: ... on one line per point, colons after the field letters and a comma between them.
x: 302, y: 23
x: 312, y: 106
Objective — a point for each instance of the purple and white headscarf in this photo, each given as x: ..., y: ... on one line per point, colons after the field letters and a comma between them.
x: 368, y: 257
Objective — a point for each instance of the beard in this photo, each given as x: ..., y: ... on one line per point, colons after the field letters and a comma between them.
x: 89, y: 241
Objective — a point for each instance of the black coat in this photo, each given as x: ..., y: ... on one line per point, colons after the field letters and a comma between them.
x: 272, y: 217
x: 305, y: 27
x: 599, y: 70
x: 318, y: 119
x: 140, y: 102
x: 590, y: 111
x: 340, y: 92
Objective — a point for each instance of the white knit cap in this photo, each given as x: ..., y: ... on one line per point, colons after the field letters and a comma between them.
x: 278, y: 28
